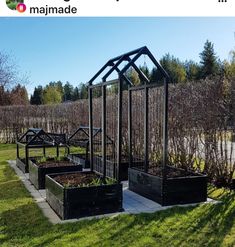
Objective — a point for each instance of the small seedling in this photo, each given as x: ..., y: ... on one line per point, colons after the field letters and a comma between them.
x: 95, y: 182
x: 42, y: 159
x: 59, y: 158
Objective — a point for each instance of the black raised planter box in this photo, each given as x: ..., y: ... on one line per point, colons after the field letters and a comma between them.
x: 78, y: 202
x: 232, y: 186
x: 37, y: 174
x: 111, y: 167
x: 179, y: 190
x: 22, y: 164
x: 80, y: 159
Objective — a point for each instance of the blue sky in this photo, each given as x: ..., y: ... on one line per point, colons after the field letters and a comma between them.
x: 73, y: 49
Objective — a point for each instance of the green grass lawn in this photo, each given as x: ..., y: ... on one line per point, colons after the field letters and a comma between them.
x: 23, y: 224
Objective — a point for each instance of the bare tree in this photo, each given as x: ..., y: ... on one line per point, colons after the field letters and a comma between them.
x: 8, y: 71
x: 9, y: 78
x: 201, y: 124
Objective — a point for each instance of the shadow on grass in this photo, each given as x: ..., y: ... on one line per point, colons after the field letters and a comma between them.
x: 23, y: 222
x: 203, y: 225
x: 127, y: 230
x: 209, y: 225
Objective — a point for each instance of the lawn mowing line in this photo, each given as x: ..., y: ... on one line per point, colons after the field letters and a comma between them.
x: 7, y: 182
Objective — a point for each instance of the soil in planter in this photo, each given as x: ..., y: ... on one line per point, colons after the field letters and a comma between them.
x: 79, y: 155
x: 170, y: 172
x: 124, y: 159
x: 48, y: 164
x: 77, y: 179
x: 22, y: 160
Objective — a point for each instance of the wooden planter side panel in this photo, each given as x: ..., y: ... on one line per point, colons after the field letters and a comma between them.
x: 95, y: 200
x: 233, y: 184
x: 71, y: 203
x: 33, y: 174
x: 56, y: 204
x: 145, y: 185
x: 21, y: 163
x: 55, y: 196
x: 37, y: 175
x: 111, y: 168
x: 79, y: 159
x: 176, y: 190
x: 186, y: 190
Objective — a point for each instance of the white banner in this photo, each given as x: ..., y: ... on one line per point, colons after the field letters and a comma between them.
x: 73, y: 8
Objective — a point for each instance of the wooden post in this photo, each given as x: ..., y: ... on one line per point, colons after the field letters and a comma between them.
x: 104, y: 130
x: 90, y: 128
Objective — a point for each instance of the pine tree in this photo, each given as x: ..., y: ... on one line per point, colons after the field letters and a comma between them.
x: 68, y: 91
x: 145, y: 70
x: 208, y: 61
x: 192, y: 70
x: 174, y: 67
x: 36, y: 98
x: 229, y: 66
x: 76, y: 94
x: 133, y: 76
x: 156, y: 76
x: 83, y: 91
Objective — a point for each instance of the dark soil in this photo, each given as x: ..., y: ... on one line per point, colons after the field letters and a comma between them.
x: 171, y: 172
x: 76, y: 179
x: 55, y: 164
x: 125, y: 159
x: 82, y: 156
x: 23, y: 160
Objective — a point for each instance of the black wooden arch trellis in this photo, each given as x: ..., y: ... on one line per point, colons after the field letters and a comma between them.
x: 36, y: 138
x: 80, y: 138
x: 113, y: 65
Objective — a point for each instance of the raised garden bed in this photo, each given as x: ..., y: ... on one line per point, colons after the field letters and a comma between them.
x: 180, y: 187
x: 22, y: 164
x: 232, y: 186
x: 35, y: 138
x: 80, y: 194
x: 38, y: 170
x: 111, y: 167
x: 80, y: 159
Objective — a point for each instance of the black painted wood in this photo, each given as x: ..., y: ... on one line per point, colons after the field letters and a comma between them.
x: 80, y: 159
x: 71, y: 203
x: 233, y: 184
x: 182, y: 190
x: 37, y: 174
x: 22, y: 164
x: 111, y: 167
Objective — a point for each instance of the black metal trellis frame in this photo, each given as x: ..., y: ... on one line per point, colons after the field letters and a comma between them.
x: 84, y: 141
x: 38, y: 138
x: 104, y: 138
x: 156, y: 184
x: 146, y: 88
x: 113, y: 65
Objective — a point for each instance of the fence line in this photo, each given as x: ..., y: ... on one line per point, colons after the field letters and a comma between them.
x: 201, y: 129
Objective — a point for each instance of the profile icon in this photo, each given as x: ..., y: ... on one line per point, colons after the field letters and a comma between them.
x: 16, y: 5
x: 21, y: 7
